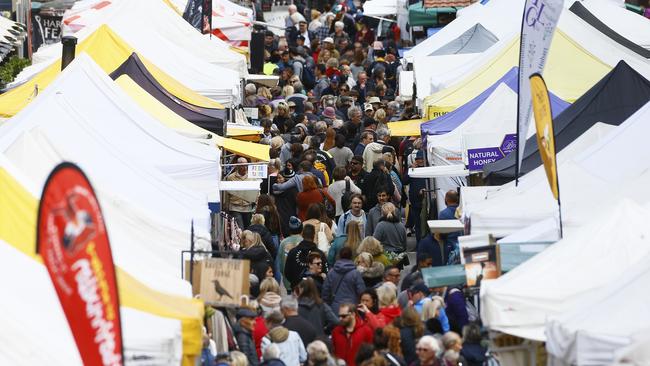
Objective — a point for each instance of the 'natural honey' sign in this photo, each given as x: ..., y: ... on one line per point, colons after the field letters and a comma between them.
x: 222, y: 281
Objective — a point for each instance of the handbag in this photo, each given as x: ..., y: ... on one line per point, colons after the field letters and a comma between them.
x: 323, y: 243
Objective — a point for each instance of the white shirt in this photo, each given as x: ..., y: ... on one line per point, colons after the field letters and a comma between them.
x: 292, y: 351
x: 336, y: 190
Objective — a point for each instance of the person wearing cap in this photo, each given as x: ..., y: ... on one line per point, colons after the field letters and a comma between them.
x: 305, y: 33
x: 289, y: 242
x: 243, y: 331
x: 328, y: 44
x: 333, y: 88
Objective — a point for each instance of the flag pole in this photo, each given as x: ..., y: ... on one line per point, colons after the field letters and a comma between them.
x: 557, y: 184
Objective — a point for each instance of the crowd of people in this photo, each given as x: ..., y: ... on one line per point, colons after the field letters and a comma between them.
x: 327, y: 235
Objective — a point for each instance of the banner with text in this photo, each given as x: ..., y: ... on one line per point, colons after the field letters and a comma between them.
x: 537, y: 28
x: 476, y: 158
x: 74, y: 245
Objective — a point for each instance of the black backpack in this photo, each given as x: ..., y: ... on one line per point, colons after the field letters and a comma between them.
x: 346, y: 198
x: 308, y: 77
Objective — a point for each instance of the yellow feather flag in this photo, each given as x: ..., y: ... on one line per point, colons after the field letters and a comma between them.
x: 544, y: 124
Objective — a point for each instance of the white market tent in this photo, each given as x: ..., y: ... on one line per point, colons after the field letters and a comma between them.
x: 602, y: 323
x: 474, y: 40
x: 210, y: 80
x: 632, y: 26
x: 146, y: 337
x: 143, y: 172
x: 380, y: 8
x: 161, y: 20
x: 614, y: 236
x: 436, y: 73
x: 477, y: 199
x: 486, y: 127
x: 637, y: 354
x: 553, y: 282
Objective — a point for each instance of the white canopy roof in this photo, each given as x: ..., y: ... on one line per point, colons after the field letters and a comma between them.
x: 553, y: 282
x: 151, y: 182
x: 162, y: 21
x: 439, y: 72
x: 145, y: 336
x: 637, y: 354
x: 630, y: 25
x: 495, y: 210
x: 169, y: 54
x: 380, y: 8
x: 601, y: 323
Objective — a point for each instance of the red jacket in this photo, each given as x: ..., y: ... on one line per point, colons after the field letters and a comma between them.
x: 386, y: 316
x: 258, y: 333
x: 347, y: 345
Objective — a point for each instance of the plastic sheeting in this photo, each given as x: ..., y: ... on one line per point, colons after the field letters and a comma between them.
x: 555, y: 280
x: 582, y: 337
x: 152, y: 182
x: 612, y: 100
x: 161, y: 21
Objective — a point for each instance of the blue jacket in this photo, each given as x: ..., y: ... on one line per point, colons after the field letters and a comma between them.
x: 343, y: 284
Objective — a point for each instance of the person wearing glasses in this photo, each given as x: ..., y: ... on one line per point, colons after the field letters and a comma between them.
x: 351, y: 332
x: 427, y: 351
x: 315, y: 270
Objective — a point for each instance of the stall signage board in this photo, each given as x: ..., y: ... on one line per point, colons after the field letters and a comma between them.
x: 486, y: 155
x: 257, y: 171
x: 221, y: 281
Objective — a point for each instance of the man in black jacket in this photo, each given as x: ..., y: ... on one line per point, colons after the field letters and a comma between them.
x: 297, y: 262
x: 293, y: 321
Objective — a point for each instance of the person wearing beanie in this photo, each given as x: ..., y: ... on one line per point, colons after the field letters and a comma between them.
x: 292, y: 351
x: 290, y: 242
x: 269, y: 301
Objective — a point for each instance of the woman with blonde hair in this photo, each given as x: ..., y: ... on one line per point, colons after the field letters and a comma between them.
x: 351, y: 239
x: 371, y: 271
x: 434, y: 315
x: 371, y: 245
x: 238, y: 359
x: 254, y: 250
x: 264, y: 92
x: 380, y: 117
x: 390, y: 231
x: 389, y: 309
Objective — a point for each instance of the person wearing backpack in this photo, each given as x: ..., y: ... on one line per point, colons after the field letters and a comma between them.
x: 355, y: 213
x: 341, y: 191
x: 344, y: 283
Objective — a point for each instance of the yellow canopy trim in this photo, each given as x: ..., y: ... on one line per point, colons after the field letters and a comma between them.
x: 405, y: 128
x: 172, y: 120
